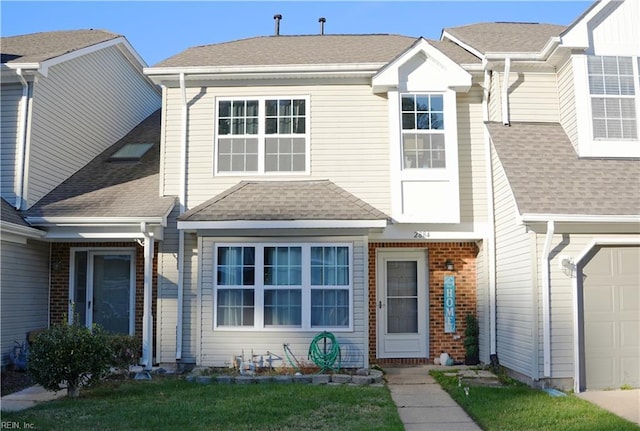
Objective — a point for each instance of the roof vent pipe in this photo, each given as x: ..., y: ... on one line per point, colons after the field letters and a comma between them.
x: 322, y: 20
x: 277, y: 17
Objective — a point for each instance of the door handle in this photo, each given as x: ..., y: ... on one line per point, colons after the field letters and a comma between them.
x: 89, y: 305
x: 380, y: 304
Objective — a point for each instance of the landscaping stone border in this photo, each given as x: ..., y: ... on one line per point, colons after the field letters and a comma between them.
x: 361, y: 378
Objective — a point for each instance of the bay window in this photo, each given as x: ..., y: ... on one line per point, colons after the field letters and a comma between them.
x: 262, y: 135
x: 283, y: 287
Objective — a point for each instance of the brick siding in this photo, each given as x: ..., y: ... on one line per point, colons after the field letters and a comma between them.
x: 463, y: 255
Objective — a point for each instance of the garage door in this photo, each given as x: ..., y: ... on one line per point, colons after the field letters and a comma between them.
x: 611, y: 295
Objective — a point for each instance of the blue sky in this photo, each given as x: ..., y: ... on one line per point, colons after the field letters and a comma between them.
x: 160, y: 29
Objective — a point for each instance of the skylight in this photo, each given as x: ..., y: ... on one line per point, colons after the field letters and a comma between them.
x: 131, y: 152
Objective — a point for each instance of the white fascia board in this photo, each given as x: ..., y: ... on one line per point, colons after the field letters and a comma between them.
x: 578, y: 218
x: 45, y: 65
x: 577, y: 34
x: 458, y: 78
x: 15, y: 229
x: 94, y: 221
x: 280, y: 224
x: 472, y: 50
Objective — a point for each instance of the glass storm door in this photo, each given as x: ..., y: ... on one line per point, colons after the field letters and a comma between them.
x: 402, y: 305
x: 103, y: 289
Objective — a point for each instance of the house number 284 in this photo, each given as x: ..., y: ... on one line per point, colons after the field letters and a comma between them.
x: 421, y: 234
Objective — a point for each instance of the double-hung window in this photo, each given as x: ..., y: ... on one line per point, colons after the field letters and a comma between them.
x: 423, y: 138
x: 262, y: 135
x: 613, y: 97
x: 283, y: 286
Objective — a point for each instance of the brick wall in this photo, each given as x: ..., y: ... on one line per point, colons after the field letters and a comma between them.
x: 463, y: 255
x: 60, y: 262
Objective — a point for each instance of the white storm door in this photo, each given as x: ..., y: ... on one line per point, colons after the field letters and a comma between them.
x: 110, y: 283
x: 402, y: 304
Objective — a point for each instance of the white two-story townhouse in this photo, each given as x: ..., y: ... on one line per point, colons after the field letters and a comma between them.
x: 325, y: 183
x: 565, y: 197
x: 65, y: 97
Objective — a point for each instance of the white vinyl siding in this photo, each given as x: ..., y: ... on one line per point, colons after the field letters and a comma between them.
x: 348, y: 132
x: 83, y: 106
x: 514, y: 281
x: 219, y: 346
x: 566, y: 94
x: 9, y: 134
x: 533, y: 96
x: 24, y: 280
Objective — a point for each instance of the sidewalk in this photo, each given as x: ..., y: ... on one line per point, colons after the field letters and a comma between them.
x: 28, y: 397
x: 422, y: 404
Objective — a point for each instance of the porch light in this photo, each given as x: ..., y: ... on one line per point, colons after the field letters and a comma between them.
x: 449, y: 265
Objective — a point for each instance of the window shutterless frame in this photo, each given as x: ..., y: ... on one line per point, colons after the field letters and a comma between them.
x: 307, y: 289
x: 262, y: 135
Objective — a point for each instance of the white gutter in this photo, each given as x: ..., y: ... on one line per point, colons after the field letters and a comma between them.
x: 22, y: 143
x: 578, y: 218
x: 491, y: 241
x: 546, y: 299
x: 147, y: 316
x: 261, y: 69
x: 94, y: 221
x: 505, y: 91
x: 182, y: 200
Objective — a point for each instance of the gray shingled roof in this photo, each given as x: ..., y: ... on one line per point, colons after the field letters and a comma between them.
x: 547, y: 176
x: 301, y: 50
x: 10, y: 215
x: 112, y: 189
x: 506, y: 36
x: 38, y: 47
x: 284, y: 200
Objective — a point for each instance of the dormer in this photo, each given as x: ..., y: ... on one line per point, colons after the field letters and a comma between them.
x: 421, y: 86
x: 605, y: 60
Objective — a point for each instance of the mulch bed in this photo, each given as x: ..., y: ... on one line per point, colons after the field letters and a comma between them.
x: 14, y: 381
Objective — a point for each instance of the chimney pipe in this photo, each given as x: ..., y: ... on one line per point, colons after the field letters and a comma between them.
x: 322, y: 20
x: 277, y: 17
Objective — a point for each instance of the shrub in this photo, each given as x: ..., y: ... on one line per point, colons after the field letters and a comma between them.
x: 71, y: 354
x: 125, y: 351
x: 472, y: 350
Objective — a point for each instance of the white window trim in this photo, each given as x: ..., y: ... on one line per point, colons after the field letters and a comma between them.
x: 261, y: 136
x: 104, y: 251
x: 587, y: 145
x: 259, y: 288
x: 417, y: 131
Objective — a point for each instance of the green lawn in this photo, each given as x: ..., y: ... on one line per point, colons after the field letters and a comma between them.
x: 173, y: 404
x: 518, y: 407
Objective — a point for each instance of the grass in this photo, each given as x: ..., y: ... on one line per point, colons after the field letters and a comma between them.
x: 171, y: 403
x: 519, y: 407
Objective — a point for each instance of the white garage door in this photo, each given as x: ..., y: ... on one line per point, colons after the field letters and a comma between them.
x: 611, y: 294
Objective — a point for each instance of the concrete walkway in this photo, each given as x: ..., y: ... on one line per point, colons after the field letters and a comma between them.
x: 624, y: 403
x: 28, y: 397
x: 422, y: 404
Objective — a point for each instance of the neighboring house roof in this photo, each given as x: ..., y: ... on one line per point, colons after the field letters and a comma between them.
x: 39, y: 47
x: 305, y: 50
x: 106, y: 188
x: 506, y: 36
x: 284, y: 200
x: 10, y: 215
x: 547, y: 177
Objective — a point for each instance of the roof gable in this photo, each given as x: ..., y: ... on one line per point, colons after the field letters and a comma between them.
x: 424, y: 60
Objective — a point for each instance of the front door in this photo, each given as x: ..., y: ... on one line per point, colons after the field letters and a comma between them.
x: 103, y: 289
x: 402, y: 304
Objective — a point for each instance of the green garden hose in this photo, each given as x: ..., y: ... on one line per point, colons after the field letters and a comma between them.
x: 324, y: 351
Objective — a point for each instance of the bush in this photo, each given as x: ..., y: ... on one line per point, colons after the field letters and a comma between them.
x: 71, y: 354
x: 125, y: 351
x: 472, y: 349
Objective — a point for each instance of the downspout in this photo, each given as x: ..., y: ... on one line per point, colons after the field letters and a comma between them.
x: 491, y: 242
x: 147, y: 315
x: 22, y: 143
x: 505, y: 91
x: 546, y: 302
x: 182, y: 199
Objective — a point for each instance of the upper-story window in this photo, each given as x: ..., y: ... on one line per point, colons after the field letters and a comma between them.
x: 423, y: 145
x: 613, y: 97
x: 262, y: 135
